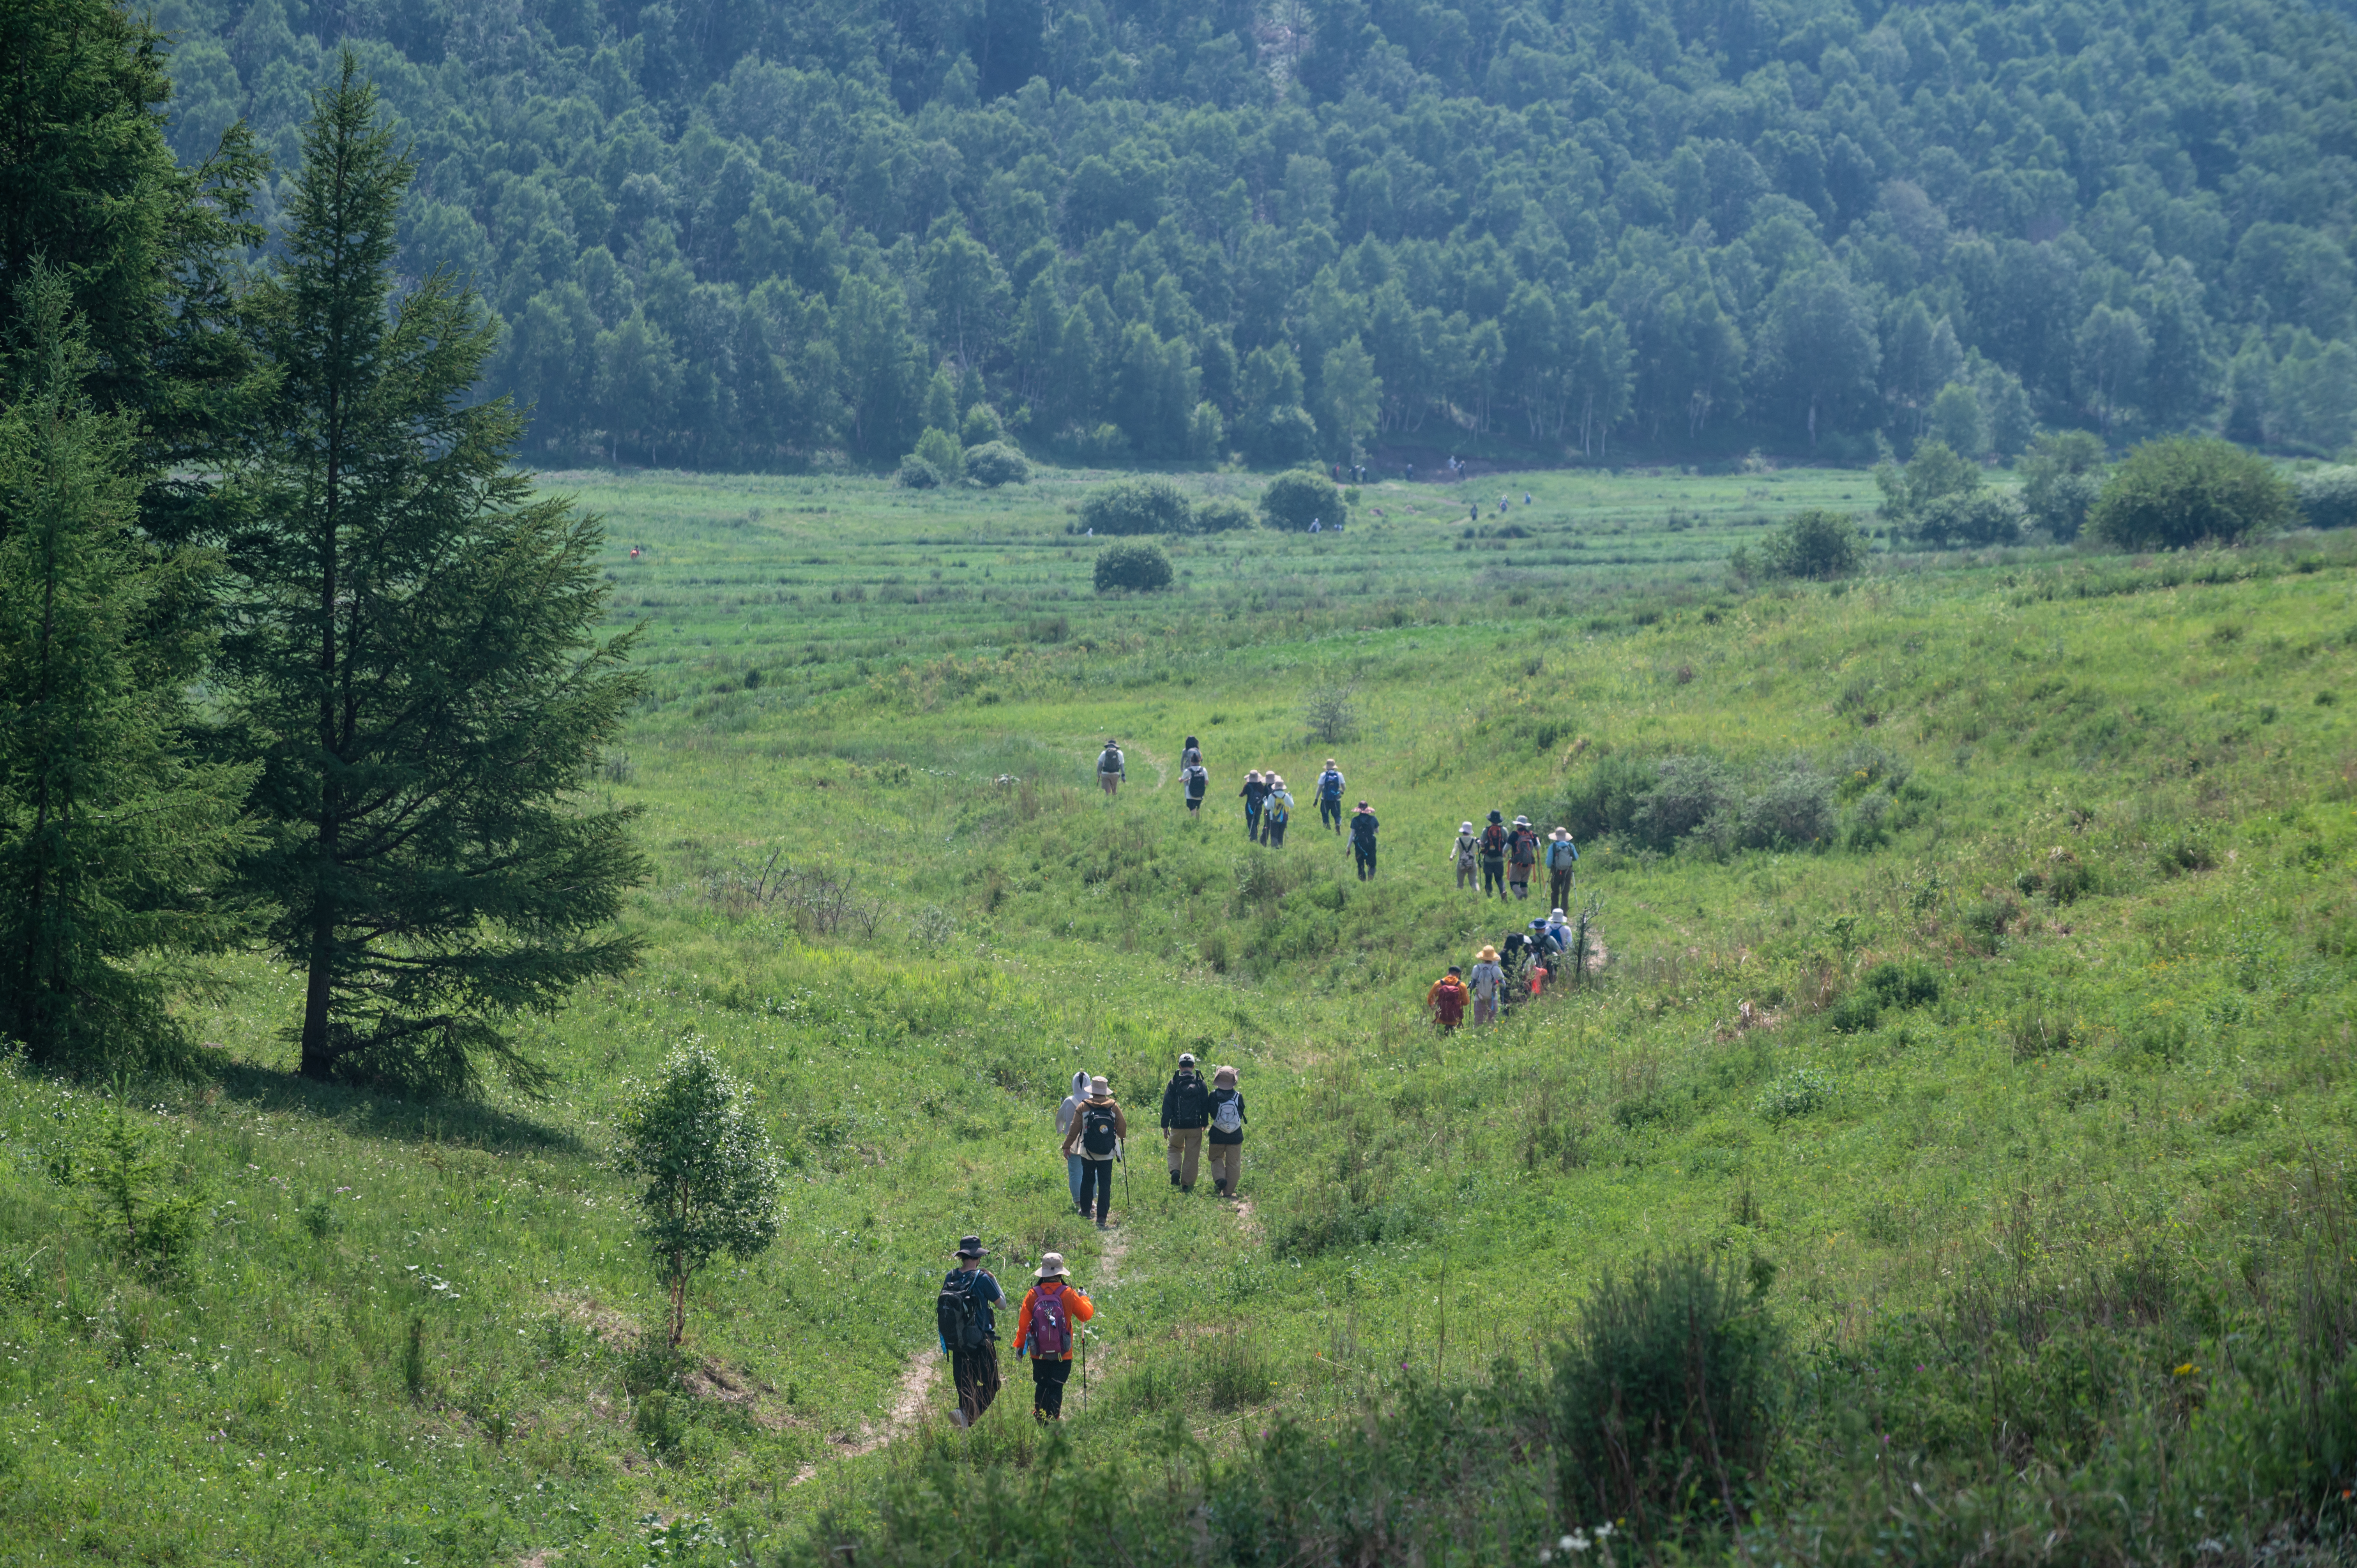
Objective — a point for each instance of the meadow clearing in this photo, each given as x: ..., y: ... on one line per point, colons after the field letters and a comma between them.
x: 1984, y: 1000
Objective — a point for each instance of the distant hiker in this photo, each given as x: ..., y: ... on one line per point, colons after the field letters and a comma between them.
x: 1110, y: 768
x: 1191, y: 753
x: 1493, y: 856
x: 1185, y: 1109
x: 1362, y: 840
x: 1467, y: 855
x: 1096, y: 1134
x: 1526, y: 497
x: 1446, y: 999
x: 1276, y: 812
x: 1048, y: 1329
x: 1562, y: 856
x: 1254, y: 793
x: 1521, y: 854
x: 1558, y: 932
x: 1197, y: 780
x: 969, y: 1332
x: 1227, y: 1135
x: 1315, y: 526
x: 1489, y: 979
x: 1330, y: 796
x: 1064, y: 1115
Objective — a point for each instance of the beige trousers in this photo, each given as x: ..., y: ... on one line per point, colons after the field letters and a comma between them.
x: 1227, y: 1165
x: 1186, y: 1147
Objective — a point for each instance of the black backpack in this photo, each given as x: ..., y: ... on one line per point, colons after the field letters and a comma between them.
x: 1190, y: 1101
x: 1097, y: 1135
x: 956, y: 1313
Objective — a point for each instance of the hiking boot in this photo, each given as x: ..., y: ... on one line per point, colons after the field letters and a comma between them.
x: 1174, y: 1178
x: 1102, y: 1226
x: 1186, y: 1189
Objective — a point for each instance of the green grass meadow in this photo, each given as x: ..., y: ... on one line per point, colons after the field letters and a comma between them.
x: 2106, y: 807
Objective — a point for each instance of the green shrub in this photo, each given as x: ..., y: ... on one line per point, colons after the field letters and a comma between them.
x: 1974, y: 518
x: 2191, y: 490
x: 1221, y: 514
x: 1666, y: 1395
x: 994, y: 464
x: 1798, y: 1094
x: 1857, y: 1012
x: 981, y: 427
x: 2328, y: 497
x: 2061, y: 477
x: 1913, y: 983
x: 916, y: 474
x: 945, y: 452
x: 1293, y: 501
x: 1288, y: 435
x: 1814, y: 544
x: 1141, y: 568
x: 1137, y: 506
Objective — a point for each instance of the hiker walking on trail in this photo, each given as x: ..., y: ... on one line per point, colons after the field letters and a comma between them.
x: 968, y: 1331
x: 1521, y: 854
x: 1447, y: 1000
x: 1110, y: 768
x: 1254, y: 793
x: 1065, y: 1115
x: 1467, y: 855
x: 1186, y: 1109
x: 1276, y: 812
x: 1489, y: 981
x: 1048, y: 1329
x: 1227, y: 1132
x: 1096, y: 1134
x: 1191, y: 753
x: 1493, y: 856
x: 1562, y: 857
x: 1362, y: 840
x: 1196, y: 782
x: 1330, y: 796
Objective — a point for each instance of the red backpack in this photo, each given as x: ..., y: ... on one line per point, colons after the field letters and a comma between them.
x: 1051, y: 1328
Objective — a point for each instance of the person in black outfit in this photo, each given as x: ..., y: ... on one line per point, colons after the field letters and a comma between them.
x: 1255, y: 791
x: 976, y: 1370
x: 1362, y: 840
x: 1493, y: 855
x: 1186, y: 1111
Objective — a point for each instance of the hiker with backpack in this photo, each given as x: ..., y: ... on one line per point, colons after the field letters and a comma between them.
x: 1330, y: 796
x: 1562, y: 857
x: 1254, y: 794
x: 1467, y: 855
x: 1065, y: 1115
x: 969, y: 1330
x: 1227, y: 1132
x: 1362, y: 840
x: 1047, y: 1329
x: 1110, y: 768
x: 1493, y: 856
x: 1488, y: 981
x: 1191, y: 753
x: 1096, y: 1134
x: 1447, y: 1000
x: 1196, y: 779
x: 1185, y: 1109
x: 1521, y: 854
x: 1276, y: 812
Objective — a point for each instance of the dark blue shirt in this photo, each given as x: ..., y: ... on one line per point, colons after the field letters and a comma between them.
x: 1363, y: 827
x: 984, y: 1290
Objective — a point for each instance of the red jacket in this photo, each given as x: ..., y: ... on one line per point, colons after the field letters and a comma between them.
x: 1078, y: 1306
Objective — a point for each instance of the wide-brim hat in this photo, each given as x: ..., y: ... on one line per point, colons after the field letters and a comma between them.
x: 1364, y: 807
x: 1521, y: 822
x: 972, y: 1246
x: 1497, y: 816
x: 1223, y: 1075
x: 1051, y: 1267
x: 1559, y: 833
x: 1464, y: 827
x: 1098, y: 1085
x: 1554, y: 917
x: 1330, y: 762
x: 1489, y: 954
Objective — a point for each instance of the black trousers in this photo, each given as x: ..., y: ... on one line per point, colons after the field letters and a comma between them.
x: 1330, y: 813
x: 1252, y: 821
x: 1559, y: 889
x: 1494, y: 878
x: 1096, y: 1177
x: 976, y: 1372
x: 1048, y: 1379
x: 1366, y: 854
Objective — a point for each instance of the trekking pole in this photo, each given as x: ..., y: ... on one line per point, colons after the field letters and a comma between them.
x: 1084, y: 1369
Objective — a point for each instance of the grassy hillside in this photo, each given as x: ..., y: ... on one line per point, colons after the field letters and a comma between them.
x: 2055, y: 1212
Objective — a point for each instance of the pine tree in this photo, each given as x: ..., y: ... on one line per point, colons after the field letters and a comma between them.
x: 413, y: 638
x: 112, y: 834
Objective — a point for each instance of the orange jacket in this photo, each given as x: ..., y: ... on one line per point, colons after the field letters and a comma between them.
x: 1079, y: 1308
x: 1447, y: 998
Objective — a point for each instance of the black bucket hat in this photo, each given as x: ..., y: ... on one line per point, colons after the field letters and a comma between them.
x: 972, y: 1246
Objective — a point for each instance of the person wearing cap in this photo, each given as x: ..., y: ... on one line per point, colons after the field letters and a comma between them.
x: 1562, y: 857
x: 975, y: 1371
x: 1227, y: 1132
x: 1330, y: 796
x: 1494, y: 838
x: 1065, y: 1113
x: 1521, y: 854
x: 1096, y: 1134
x: 1186, y: 1109
x: 1048, y: 1329
x: 1254, y: 792
x: 1489, y: 981
x: 1467, y: 855
x: 1362, y: 840
x: 1276, y: 811
x: 1446, y: 999
x: 1110, y: 768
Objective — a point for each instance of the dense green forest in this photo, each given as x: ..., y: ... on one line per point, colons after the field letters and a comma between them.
x: 725, y: 235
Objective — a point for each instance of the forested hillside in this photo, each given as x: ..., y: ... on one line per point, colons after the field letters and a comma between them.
x: 723, y: 234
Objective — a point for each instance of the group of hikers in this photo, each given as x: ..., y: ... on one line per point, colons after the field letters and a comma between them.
x: 1503, y: 858
x: 1092, y: 1128
x: 1268, y: 801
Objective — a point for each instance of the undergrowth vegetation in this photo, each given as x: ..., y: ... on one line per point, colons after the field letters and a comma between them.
x: 1945, y: 1153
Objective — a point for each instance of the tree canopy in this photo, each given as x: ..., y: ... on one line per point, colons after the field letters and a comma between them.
x: 720, y: 234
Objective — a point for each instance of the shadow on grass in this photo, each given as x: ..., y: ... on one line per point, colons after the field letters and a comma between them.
x: 376, y: 1114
